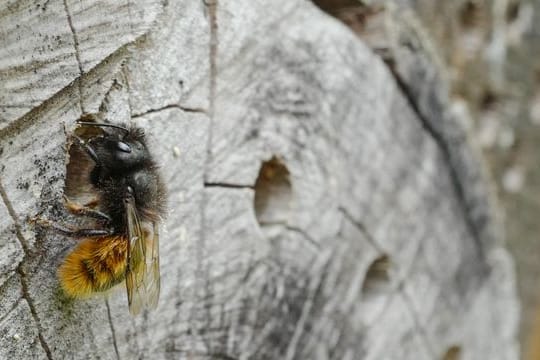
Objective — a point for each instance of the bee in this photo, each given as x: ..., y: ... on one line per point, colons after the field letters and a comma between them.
x: 123, y: 243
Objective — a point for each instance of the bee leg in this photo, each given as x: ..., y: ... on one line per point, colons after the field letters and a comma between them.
x: 74, y: 233
x: 84, y: 210
x: 92, y: 203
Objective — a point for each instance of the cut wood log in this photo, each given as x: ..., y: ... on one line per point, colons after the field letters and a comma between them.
x: 322, y: 204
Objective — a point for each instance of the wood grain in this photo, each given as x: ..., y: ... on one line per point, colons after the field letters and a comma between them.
x: 376, y: 237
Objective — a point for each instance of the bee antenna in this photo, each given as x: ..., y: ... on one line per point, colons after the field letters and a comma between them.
x: 87, y: 123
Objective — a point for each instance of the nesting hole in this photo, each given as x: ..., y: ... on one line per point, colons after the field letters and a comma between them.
x: 453, y: 353
x: 470, y: 14
x: 353, y: 13
x: 376, y: 287
x: 512, y: 11
x: 334, y: 6
x: 377, y: 281
x: 77, y: 185
x: 489, y: 100
x: 273, y: 193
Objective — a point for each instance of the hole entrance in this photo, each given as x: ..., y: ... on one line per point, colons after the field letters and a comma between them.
x: 376, y: 287
x: 377, y: 280
x: 273, y: 193
x: 77, y: 185
x: 489, y: 100
x: 470, y: 14
x: 512, y: 11
x: 334, y: 6
x: 353, y: 13
x: 453, y: 353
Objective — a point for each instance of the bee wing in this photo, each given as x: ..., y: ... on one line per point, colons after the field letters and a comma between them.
x: 153, y: 281
x: 142, y: 273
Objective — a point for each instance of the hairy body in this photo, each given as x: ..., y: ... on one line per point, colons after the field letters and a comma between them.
x: 95, y: 265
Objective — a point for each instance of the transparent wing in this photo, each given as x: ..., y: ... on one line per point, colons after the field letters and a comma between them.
x: 142, y: 273
x: 153, y: 281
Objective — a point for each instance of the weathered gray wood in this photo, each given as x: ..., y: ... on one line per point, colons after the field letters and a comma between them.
x: 377, y: 242
x: 48, y: 45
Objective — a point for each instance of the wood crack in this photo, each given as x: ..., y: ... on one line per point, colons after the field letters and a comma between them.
x: 222, y: 356
x: 362, y: 228
x: 421, y: 331
x: 212, y: 17
x: 228, y: 185
x: 314, y: 287
x: 113, y: 332
x: 20, y: 271
x: 130, y: 15
x: 11, y: 211
x: 294, y: 229
x: 125, y: 80
x: 211, y: 6
x: 171, y: 106
x: 444, y: 147
x: 201, y: 271
x: 33, y: 311
x: 211, y: 355
x: 77, y: 54
x: 304, y: 234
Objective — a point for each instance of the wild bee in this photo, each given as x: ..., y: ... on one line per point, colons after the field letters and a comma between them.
x: 123, y: 243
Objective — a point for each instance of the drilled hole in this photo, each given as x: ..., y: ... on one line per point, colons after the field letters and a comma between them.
x: 273, y: 193
x: 78, y: 166
x: 488, y: 100
x: 353, y: 13
x: 512, y: 11
x: 453, y: 353
x: 377, y: 281
x: 334, y: 6
x: 470, y: 14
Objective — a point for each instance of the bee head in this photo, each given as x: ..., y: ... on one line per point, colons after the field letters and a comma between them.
x: 119, y: 149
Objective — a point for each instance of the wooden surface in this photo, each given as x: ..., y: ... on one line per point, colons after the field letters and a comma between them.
x: 368, y: 232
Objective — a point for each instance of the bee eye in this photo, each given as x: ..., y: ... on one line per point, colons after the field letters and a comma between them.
x: 122, y: 146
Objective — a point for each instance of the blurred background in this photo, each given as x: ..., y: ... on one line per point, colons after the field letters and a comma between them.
x: 491, y: 50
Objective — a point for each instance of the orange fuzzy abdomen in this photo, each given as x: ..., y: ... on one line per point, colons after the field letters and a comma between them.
x: 95, y: 265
